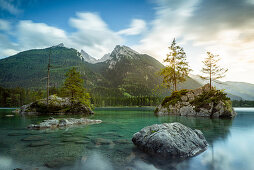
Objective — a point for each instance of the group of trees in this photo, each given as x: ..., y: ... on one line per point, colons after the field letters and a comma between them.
x: 176, y: 71
x: 74, y: 89
x: 177, y: 68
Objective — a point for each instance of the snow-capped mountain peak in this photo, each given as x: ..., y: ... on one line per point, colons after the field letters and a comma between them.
x: 87, y: 57
x: 122, y: 51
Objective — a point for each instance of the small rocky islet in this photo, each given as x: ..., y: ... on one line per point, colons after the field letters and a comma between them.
x: 62, y: 123
x: 55, y: 106
x: 202, y: 102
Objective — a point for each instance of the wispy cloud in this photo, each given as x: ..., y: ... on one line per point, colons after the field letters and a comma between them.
x: 137, y: 26
x: 9, y: 7
x: 93, y: 34
x: 4, y: 25
x: 220, y: 26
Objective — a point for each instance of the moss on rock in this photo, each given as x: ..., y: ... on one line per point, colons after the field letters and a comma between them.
x: 197, y: 102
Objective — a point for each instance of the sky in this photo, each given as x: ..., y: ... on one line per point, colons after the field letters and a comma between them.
x: 223, y: 27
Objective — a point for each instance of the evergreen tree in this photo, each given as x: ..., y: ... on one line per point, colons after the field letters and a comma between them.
x: 211, y: 68
x: 177, y: 69
x: 74, y: 87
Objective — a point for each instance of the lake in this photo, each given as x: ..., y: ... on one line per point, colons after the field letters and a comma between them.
x: 108, y: 145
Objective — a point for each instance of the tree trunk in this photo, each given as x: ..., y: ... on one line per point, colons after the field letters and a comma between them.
x: 210, y: 76
x: 175, y: 85
x: 48, y: 81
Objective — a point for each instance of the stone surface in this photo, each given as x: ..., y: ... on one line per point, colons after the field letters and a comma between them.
x: 32, y: 138
x: 102, y: 141
x: 59, y: 123
x: 187, y: 110
x: 122, y: 141
x: 60, y: 162
x: 39, y: 143
x: 56, y: 105
x: 188, y: 104
x: 172, y: 140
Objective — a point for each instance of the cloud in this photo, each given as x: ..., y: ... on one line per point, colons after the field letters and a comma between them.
x: 4, y: 25
x: 9, y: 7
x: 93, y: 34
x: 38, y: 35
x: 221, y: 26
x: 137, y: 26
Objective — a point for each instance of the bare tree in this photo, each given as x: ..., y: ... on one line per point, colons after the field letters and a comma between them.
x: 211, y: 68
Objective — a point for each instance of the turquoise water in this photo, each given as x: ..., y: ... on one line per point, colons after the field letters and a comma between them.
x: 108, y: 145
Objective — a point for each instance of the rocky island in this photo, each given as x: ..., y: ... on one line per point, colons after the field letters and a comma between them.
x: 203, y: 101
x: 56, y: 105
x: 170, y: 140
x: 62, y: 123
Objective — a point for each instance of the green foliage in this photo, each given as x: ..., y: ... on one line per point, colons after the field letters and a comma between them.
x: 74, y: 87
x: 174, y: 98
x: 242, y: 103
x: 178, y: 68
x: 210, y: 96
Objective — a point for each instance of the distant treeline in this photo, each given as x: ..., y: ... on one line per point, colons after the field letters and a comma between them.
x: 16, y: 97
x: 242, y: 103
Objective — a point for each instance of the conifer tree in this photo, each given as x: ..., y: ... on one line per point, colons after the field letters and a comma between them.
x: 74, y: 87
x: 211, y: 69
x: 177, y: 69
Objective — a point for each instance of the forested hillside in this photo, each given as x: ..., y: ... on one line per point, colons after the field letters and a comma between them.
x: 126, y: 73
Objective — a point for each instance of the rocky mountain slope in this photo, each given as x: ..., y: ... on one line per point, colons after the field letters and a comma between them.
x: 124, y: 71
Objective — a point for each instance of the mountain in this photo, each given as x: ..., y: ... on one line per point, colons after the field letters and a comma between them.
x: 235, y: 90
x: 104, y: 58
x: 28, y: 69
x: 88, y: 58
x: 92, y: 60
x: 124, y: 72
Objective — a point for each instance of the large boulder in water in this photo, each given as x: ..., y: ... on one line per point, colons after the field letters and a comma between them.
x: 198, y: 102
x: 172, y: 140
x: 56, y: 105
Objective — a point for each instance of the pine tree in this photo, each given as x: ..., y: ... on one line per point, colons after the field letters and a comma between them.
x: 177, y: 69
x: 74, y: 87
x: 212, y: 69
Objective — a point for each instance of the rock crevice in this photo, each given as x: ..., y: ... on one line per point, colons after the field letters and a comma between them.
x: 198, y: 102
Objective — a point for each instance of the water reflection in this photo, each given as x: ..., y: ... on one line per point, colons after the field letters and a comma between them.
x: 108, y: 145
x: 213, y: 129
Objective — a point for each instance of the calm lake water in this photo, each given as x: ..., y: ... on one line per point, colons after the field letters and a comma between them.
x: 108, y: 145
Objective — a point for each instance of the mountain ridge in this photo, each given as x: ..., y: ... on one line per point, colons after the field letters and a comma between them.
x: 124, y: 72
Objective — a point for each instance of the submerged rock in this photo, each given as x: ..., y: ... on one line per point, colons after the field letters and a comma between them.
x: 39, y: 143
x: 58, y: 123
x: 170, y: 140
x: 60, y: 162
x: 102, y: 141
x: 9, y: 115
x: 56, y: 105
x: 201, y: 102
x: 32, y: 138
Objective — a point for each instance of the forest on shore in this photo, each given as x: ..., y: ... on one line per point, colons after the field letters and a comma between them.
x: 16, y: 97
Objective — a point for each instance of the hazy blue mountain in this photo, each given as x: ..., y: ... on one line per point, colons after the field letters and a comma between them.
x: 236, y: 90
